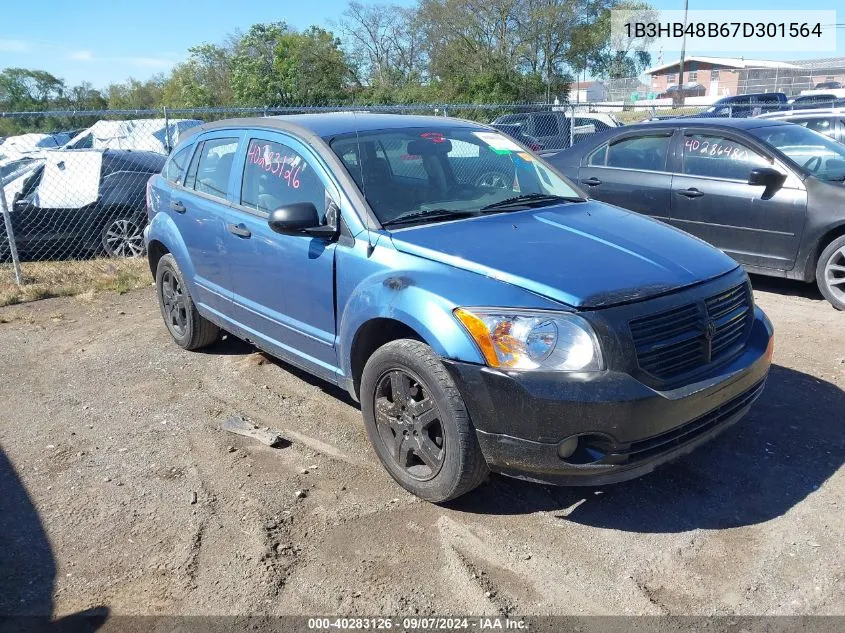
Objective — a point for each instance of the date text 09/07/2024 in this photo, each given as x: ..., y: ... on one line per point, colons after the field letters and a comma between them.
x: 417, y: 623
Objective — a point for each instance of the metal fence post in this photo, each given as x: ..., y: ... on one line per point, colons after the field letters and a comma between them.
x: 572, y: 126
x: 10, y: 235
x: 167, y: 144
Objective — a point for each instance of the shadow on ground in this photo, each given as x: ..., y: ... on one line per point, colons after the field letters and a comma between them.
x: 786, y: 287
x: 28, y: 568
x: 785, y: 448
x: 230, y: 345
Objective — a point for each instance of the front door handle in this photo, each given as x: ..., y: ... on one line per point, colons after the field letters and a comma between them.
x: 177, y: 206
x: 591, y: 182
x: 692, y: 192
x: 240, y: 230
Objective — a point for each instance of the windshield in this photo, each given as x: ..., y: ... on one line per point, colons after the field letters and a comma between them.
x: 821, y: 156
x: 430, y: 175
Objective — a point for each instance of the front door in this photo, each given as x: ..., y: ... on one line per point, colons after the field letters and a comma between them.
x: 282, y: 285
x: 711, y: 198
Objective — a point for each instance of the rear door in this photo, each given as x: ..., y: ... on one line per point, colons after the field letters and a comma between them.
x: 283, y: 285
x: 711, y: 198
x: 631, y: 171
x: 198, y: 206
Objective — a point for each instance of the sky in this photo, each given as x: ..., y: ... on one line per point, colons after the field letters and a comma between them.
x: 101, y: 42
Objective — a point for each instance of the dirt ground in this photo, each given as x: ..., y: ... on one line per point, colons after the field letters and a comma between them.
x: 118, y: 489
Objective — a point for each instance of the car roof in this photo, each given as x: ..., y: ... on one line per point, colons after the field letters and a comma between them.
x: 714, y: 122
x: 803, y: 113
x: 329, y: 124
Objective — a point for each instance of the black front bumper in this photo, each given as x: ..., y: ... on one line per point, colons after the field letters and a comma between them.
x: 521, y: 417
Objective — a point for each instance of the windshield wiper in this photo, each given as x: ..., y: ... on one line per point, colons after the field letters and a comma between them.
x: 529, y: 200
x: 427, y: 214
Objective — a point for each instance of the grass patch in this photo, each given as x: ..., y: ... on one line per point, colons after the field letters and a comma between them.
x: 43, y: 280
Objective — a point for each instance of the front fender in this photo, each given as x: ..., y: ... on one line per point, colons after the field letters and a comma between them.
x: 398, y: 298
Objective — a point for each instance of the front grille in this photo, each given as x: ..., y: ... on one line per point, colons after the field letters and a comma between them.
x: 689, y: 338
x: 644, y: 449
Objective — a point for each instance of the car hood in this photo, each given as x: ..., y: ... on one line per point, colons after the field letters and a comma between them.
x: 586, y: 254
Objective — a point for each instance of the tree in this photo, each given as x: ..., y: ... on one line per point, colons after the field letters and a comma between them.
x: 383, y: 45
x: 620, y: 58
x: 203, y: 80
x: 311, y: 67
x: 133, y: 94
x: 22, y: 89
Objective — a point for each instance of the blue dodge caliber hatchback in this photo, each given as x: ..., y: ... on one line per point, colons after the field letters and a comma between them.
x: 483, y: 311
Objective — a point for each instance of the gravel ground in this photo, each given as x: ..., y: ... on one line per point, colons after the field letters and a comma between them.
x: 119, y: 489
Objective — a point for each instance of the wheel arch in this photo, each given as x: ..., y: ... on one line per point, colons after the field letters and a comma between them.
x: 371, y: 335
x: 155, y: 251
x: 826, y: 239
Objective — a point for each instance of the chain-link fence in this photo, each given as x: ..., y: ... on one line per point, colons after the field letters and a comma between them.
x: 74, y: 183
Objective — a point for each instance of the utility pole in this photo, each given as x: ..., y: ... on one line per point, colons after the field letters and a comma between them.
x: 683, y: 51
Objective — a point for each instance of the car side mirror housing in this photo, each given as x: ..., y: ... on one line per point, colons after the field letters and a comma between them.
x: 298, y: 218
x: 767, y: 177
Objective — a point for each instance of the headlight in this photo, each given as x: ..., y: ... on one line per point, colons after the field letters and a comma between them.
x: 527, y: 339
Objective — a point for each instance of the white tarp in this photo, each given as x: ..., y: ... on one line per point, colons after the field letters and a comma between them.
x: 14, y: 146
x: 71, y: 179
x: 154, y: 135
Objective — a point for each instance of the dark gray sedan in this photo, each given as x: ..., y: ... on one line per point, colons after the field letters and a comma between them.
x: 769, y: 194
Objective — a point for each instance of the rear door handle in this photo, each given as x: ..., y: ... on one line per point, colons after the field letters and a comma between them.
x: 692, y: 192
x: 240, y: 230
x: 591, y: 182
x: 177, y: 206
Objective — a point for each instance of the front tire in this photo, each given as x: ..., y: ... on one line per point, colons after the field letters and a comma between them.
x: 186, y: 325
x: 830, y: 273
x: 418, y: 424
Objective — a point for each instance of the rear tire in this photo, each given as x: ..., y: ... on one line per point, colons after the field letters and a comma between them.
x: 418, y: 424
x: 830, y: 273
x: 186, y: 325
x: 123, y: 237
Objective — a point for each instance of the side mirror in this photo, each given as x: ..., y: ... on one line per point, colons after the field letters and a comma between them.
x: 294, y: 218
x: 766, y: 177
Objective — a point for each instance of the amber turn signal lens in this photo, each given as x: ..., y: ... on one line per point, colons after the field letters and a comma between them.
x: 479, y: 332
x: 770, y: 348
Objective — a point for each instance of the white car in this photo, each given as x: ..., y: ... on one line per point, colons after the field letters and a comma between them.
x: 827, y: 121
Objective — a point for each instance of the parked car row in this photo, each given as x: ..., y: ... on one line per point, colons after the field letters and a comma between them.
x: 72, y: 195
x: 768, y: 193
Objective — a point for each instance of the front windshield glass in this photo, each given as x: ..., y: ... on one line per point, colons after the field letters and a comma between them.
x: 418, y: 175
x: 821, y: 156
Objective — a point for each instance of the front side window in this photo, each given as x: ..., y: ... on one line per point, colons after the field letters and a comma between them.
x: 822, y: 157
x: 639, y: 152
x: 214, y: 166
x: 275, y: 176
x: 423, y: 173
x: 175, y: 166
x: 718, y: 157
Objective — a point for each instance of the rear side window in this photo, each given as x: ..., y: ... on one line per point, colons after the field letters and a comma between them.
x: 598, y: 157
x: 175, y: 166
x: 719, y: 157
x: 545, y: 125
x: 214, y: 166
x: 822, y: 126
x: 639, y: 152
x: 275, y: 175
x: 396, y: 160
